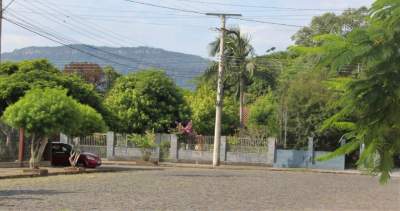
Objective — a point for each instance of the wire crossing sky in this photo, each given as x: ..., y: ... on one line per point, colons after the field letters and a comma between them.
x: 176, y: 25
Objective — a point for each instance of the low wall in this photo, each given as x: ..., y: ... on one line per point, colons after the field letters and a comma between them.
x: 337, y: 163
x: 194, y: 156
x: 303, y: 159
x: 127, y: 153
x: 248, y: 158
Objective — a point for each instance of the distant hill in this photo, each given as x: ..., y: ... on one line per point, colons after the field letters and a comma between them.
x: 182, y: 67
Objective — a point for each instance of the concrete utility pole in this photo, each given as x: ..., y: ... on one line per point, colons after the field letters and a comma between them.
x: 220, y: 89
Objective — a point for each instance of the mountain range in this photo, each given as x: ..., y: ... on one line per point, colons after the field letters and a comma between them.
x: 179, y: 66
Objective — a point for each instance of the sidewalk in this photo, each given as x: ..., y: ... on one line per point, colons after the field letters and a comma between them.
x: 395, y: 173
x: 10, y: 173
x: 118, y: 166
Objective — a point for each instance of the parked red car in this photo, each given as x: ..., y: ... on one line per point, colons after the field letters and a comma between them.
x: 60, y: 154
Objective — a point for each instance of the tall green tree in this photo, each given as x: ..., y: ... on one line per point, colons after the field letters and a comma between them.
x: 146, y: 100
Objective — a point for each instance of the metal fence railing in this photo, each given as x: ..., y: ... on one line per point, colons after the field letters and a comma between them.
x: 96, y: 143
x: 9, y: 151
x: 196, y: 143
x: 247, y: 144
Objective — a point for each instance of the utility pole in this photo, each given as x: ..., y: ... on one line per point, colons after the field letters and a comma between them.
x: 220, y: 88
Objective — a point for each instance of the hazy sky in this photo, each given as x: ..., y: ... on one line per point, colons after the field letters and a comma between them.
x: 123, y: 23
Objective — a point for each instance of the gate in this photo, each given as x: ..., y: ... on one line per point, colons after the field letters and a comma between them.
x: 96, y: 144
x: 248, y: 150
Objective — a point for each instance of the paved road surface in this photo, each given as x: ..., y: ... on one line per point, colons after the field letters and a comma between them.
x: 200, y: 189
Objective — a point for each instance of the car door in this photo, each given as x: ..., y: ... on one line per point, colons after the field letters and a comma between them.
x: 66, y: 149
x: 57, y: 154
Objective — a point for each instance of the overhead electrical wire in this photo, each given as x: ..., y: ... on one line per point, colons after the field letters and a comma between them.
x: 138, y: 62
x: 167, y: 7
x: 202, y: 13
x: 61, y: 43
x: 93, y: 25
x: 260, y: 6
x: 7, y: 6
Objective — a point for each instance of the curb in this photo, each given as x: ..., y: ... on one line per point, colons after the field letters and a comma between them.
x: 236, y: 167
x: 20, y: 176
x: 262, y: 168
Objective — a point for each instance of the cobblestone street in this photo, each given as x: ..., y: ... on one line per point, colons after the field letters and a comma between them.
x: 200, y: 189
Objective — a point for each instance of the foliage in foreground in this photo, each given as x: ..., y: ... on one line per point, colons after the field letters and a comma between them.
x: 373, y: 99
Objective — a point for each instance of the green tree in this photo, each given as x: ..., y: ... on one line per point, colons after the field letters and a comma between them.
x: 90, y: 122
x: 202, y: 105
x: 43, y: 112
x: 330, y: 23
x: 147, y: 100
x: 111, y: 75
x: 18, y: 78
x: 264, y: 115
x: 374, y: 98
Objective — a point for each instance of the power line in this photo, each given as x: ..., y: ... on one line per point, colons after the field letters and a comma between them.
x: 62, y: 43
x: 138, y: 61
x: 8, y: 5
x: 106, y: 52
x: 202, y: 13
x: 167, y: 7
x: 268, y: 22
x: 95, y: 26
x: 260, y: 6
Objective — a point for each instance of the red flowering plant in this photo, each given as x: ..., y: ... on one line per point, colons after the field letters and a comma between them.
x: 185, y: 133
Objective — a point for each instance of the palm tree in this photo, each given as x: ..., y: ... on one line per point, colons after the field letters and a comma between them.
x: 239, y: 65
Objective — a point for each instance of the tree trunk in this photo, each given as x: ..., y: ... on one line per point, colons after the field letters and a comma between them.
x: 8, y: 139
x: 241, y: 102
x: 37, y: 148
x: 75, y: 153
x: 7, y: 131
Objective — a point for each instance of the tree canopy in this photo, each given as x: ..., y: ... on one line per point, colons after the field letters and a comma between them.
x: 44, y: 112
x: 146, y: 100
x: 18, y: 78
x: 202, y: 106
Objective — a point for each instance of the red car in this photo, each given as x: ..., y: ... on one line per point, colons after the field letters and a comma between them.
x: 60, y: 153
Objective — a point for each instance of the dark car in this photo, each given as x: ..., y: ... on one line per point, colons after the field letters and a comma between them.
x: 61, y: 152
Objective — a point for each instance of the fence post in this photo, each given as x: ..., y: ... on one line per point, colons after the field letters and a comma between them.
x: 157, y: 149
x: 271, y: 150
x: 310, y: 151
x: 173, y: 151
x: 222, y: 151
x: 110, y: 145
x: 63, y: 138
